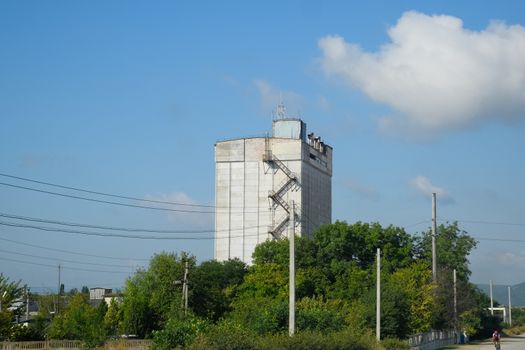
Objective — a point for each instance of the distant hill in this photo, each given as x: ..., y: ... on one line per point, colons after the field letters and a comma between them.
x: 500, y: 293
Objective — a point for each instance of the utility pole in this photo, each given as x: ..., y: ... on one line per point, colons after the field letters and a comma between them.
x: 455, y: 302
x: 184, y: 298
x: 58, y: 293
x: 378, y: 296
x: 186, y: 289
x: 291, y: 311
x: 434, y: 230
x: 27, y: 303
x: 491, y: 300
x: 510, y: 308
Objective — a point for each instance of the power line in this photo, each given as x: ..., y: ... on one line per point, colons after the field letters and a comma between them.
x: 64, y: 267
x: 59, y: 259
x: 114, y: 196
x: 101, y: 234
x: 112, y: 228
x: 105, y: 194
x: 71, y: 252
x: 107, y: 202
x: 500, y: 239
x: 491, y: 222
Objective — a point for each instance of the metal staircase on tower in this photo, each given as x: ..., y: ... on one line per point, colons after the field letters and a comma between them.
x: 291, y: 183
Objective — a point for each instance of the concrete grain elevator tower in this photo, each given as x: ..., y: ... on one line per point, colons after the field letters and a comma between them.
x: 256, y: 180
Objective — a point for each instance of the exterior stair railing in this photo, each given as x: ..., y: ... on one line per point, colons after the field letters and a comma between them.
x: 291, y: 183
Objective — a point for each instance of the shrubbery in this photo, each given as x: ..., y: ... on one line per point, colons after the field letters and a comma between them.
x: 228, y: 336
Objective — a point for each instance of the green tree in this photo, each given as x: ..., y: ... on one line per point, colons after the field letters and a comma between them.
x: 415, y: 282
x: 214, y: 286
x: 9, y: 292
x: 113, y: 318
x: 151, y: 297
x: 453, y: 246
x: 80, y: 321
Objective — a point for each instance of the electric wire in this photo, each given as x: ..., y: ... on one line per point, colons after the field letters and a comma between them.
x: 71, y: 252
x: 490, y: 222
x: 102, y: 234
x: 218, y: 209
x: 107, y: 202
x: 99, y: 193
x: 113, y: 228
x: 60, y: 259
x: 64, y: 267
x: 105, y: 194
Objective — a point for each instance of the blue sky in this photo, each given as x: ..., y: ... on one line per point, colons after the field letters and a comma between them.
x: 129, y: 98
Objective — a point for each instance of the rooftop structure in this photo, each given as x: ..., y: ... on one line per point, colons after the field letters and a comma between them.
x: 256, y: 180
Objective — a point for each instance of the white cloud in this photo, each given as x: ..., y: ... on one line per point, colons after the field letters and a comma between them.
x: 425, y: 187
x: 435, y: 74
x: 361, y: 190
x: 184, y: 217
x: 271, y: 97
x: 510, y: 259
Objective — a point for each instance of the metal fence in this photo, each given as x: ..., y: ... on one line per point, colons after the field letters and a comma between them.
x: 122, y: 344
x: 432, y: 340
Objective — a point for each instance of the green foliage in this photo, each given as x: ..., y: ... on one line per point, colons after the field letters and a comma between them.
x: 9, y: 292
x: 178, y: 332
x: 395, y: 344
x: 319, y: 315
x: 6, y: 324
x: 453, y: 246
x: 214, y: 286
x: 151, y: 296
x: 268, y: 280
x: 261, y: 315
x: 394, y: 307
x: 235, y: 307
x: 415, y: 283
x: 226, y: 336
x: 80, y: 321
x: 113, y: 318
x: 359, y: 242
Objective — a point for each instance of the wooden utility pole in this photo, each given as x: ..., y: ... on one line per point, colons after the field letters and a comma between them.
x: 184, y: 297
x: 491, y: 300
x: 27, y: 304
x: 378, y: 296
x: 455, y: 302
x: 291, y: 311
x: 510, y: 308
x: 434, y: 230
x: 186, y: 282
x: 58, y: 293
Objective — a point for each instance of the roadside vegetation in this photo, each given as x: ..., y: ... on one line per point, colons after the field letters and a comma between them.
x: 234, y: 306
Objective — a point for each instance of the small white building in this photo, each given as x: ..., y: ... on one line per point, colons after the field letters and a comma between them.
x: 256, y: 180
x: 99, y: 293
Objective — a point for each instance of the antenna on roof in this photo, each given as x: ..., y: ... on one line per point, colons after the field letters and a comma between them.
x: 280, y: 111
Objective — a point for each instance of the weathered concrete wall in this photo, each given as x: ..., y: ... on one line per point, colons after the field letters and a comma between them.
x: 243, y: 180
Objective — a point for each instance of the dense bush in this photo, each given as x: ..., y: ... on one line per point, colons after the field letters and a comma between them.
x: 229, y: 336
x: 395, y: 344
x: 320, y: 341
x: 178, y: 332
x: 226, y: 335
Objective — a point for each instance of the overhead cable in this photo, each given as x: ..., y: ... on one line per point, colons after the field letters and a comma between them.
x: 105, y: 194
x: 71, y: 252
